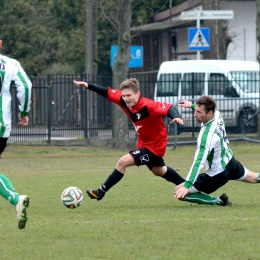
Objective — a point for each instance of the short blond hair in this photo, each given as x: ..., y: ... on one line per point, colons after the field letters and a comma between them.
x: 131, y: 83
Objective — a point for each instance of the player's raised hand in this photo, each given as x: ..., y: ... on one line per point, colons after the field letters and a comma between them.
x: 185, y: 103
x: 178, y: 121
x: 80, y: 83
x: 23, y: 120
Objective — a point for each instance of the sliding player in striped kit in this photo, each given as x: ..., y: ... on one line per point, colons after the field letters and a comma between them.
x: 11, y: 73
x: 214, y: 153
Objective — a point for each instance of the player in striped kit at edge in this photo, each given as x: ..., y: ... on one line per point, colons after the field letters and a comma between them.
x: 214, y: 153
x: 11, y: 73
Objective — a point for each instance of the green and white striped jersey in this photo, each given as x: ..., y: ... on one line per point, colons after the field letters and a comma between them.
x: 11, y: 73
x: 212, y: 151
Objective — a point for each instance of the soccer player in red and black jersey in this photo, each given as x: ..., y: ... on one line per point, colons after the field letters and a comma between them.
x: 146, y: 116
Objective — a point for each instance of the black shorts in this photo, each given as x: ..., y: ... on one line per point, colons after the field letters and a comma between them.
x: 234, y: 171
x: 143, y: 156
x: 3, y: 142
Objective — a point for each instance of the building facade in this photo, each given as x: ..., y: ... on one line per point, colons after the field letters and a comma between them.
x: 167, y: 37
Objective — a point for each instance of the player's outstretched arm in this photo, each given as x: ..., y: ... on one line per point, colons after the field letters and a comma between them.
x: 185, y: 103
x: 98, y: 89
x: 80, y: 83
x: 174, y: 115
x: 178, y: 121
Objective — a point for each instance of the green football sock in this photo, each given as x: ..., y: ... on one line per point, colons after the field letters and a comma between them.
x: 258, y: 178
x: 7, y: 190
x: 203, y: 198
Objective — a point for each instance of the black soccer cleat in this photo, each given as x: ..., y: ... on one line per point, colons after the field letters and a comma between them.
x: 96, y: 194
x: 224, y: 199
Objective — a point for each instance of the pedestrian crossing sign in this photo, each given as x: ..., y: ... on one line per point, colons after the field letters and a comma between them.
x: 199, y: 39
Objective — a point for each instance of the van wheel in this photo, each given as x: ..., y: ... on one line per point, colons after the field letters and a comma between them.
x: 246, y: 115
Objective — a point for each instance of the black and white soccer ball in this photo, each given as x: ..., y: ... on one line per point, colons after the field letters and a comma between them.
x: 72, y: 197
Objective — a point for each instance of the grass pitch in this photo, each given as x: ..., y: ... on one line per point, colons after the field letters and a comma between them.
x: 137, y: 219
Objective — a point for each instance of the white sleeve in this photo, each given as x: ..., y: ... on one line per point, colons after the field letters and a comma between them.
x: 24, y: 88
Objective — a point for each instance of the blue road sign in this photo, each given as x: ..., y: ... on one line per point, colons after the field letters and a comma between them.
x: 199, y: 39
x: 136, y: 60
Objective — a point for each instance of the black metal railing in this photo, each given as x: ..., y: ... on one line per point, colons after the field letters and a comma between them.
x: 61, y: 110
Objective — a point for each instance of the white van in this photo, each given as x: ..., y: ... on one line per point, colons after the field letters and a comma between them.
x: 233, y: 84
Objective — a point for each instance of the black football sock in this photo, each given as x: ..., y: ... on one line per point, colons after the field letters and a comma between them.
x: 172, y: 176
x: 112, y: 180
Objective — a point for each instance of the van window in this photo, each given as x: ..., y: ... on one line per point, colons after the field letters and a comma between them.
x: 248, y: 81
x: 168, y: 84
x: 217, y: 84
x: 192, y: 84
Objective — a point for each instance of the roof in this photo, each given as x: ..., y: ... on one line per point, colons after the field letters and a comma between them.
x: 185, y: 6
x: 163, y: 22
x: 160, y: 26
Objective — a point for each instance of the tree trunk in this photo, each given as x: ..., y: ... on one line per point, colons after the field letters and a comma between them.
x: 120, y: 73
x: 258, y: 55
x: 91, y: 40
x: 258, y: 25
x: 219, y: 38
x: 91, y: 55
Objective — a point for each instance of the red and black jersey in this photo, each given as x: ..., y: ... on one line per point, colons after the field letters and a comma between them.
x: 146, y: 117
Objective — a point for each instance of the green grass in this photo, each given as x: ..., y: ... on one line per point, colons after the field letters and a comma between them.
x: 137, y: 219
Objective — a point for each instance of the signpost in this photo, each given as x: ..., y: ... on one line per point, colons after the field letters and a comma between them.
x: 199, y: 39
x: 206, y: 15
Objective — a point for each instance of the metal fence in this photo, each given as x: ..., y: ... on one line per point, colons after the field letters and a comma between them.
x: 61, y: 110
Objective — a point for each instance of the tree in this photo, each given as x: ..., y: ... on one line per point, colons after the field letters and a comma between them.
x: 258, y: 26
x: 24, y: 28
x: 142, y: 13
x: 91, y: 40
x: 119, y: 15
x: 44, y: 35
x: 219, y: 38
x: 258, y: 56
x: 68, y: 28
x: 120, y: 71
x: 49, y: 36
